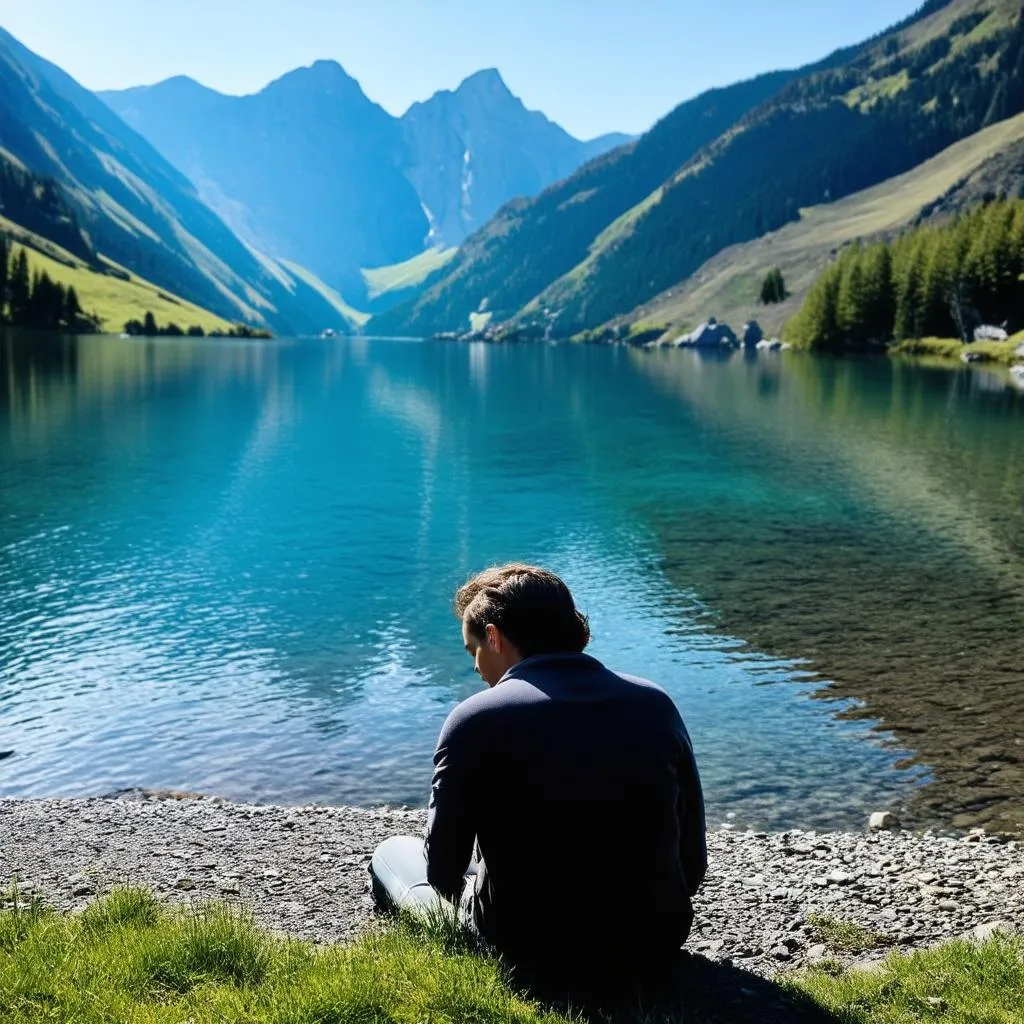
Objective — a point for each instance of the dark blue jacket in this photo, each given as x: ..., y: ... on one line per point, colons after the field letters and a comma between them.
x: 581, y: 788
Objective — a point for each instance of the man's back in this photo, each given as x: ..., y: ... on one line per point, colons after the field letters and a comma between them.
x: 581, y: 788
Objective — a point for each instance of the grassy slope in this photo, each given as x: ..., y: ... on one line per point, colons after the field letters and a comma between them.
x: 138, y: 209
x: 353, y: 317
x: 410, y: 274
x: 632, y: 250
x: 728, y: 285
x: 114, y: 300
x: 126, y: 957
x: 531, y: 242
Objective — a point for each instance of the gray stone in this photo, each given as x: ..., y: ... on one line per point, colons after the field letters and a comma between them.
x: 752, y: 334
x: 988, y: 332
x: 883, y: 821
x: 317, y: 887
x: 989, y: 930
x: 710, y: 334
x: 840, y: 877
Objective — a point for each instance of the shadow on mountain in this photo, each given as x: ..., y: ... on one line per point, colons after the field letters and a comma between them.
x: 694, y: 990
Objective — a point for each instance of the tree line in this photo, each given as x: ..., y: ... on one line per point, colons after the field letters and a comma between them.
x: 935, y: 281
x: 147, y: 327
x: 35, y: 300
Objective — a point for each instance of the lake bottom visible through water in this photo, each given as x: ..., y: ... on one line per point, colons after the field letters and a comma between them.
x: 228, y: 567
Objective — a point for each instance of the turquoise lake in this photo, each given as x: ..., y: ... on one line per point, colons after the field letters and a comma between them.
x: 227, y: 567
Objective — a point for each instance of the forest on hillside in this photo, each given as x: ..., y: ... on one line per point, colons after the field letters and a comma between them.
x: 39, y: 205
x: 35, y: 300
x: 811, y: 144
x: 935, y: 281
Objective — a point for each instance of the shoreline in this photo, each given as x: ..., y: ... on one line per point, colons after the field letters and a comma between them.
x: 302, y: 871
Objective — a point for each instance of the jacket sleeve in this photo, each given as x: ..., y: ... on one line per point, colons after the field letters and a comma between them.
x: 451, y: 815
x: 693, y: 851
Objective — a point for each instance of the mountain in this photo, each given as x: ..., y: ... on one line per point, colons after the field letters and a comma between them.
x: 983, y: 166
x: 135, y: 208
x: 474, y: 149
x: 309, y: 169
x: 531, y: 242
x: 859, y: 118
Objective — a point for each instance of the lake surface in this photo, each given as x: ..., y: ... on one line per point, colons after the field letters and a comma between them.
x: 228, y: 566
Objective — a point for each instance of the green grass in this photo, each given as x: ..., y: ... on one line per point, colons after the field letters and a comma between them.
x: 409, y: 274
x: 999, y: 352
x: 958, y: 983
x: 350, y: 314
x: 845, y: 936
x: 115, y: 299
x: 728, y: 285
x: 128, y: 958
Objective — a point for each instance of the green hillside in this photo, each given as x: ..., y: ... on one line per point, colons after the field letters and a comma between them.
x: 135, y: 208
x: 728, y: 286
x: 352, y: 317
x: 115, y: 297
x: 899, y: 101
x: 863, y: 117
x: 389, y: 283
x: 531, y: 242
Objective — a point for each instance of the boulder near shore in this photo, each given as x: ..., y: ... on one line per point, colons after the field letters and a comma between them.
x: 302, y: 871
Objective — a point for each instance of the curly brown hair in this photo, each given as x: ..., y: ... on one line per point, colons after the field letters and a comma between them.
x: 531, y: 606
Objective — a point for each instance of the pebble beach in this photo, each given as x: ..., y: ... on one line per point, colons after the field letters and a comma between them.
x: 301, y: 871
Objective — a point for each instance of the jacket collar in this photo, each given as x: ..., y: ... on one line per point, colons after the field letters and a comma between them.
x: 551, y: 663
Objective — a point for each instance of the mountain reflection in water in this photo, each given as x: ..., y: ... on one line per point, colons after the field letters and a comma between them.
x: 227, y: 566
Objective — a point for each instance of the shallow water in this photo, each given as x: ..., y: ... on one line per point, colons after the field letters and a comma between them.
x: 227, y: 566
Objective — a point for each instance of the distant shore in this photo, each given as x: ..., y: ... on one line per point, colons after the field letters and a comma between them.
x: 771, y: 902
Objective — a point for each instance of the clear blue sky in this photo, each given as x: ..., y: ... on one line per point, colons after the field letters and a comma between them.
x: 592, y: 65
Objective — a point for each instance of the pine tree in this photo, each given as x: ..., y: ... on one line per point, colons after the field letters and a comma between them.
x: 773, y: 288
x: 19, y: 290
x: 72, y: 309
x: 5, y: 273
x: 879, y: 295
x: 149, y: 328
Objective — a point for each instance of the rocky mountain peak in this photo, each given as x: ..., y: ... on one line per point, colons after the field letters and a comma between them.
x: 326, y: 77
x: 486, y: 85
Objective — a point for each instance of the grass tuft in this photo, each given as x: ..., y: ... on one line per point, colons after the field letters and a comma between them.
x: 122, y: 908
x: 214, y: 945
x: 845, y: 936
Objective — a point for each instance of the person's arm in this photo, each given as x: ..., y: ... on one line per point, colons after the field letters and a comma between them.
x: 451, y: 822
x: 693, y: 851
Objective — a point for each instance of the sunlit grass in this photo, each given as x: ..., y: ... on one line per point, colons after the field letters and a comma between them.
x: 1000, y: 352
x: 845, y: 936
x: 129, y: 958
x: 409, y: 274
x: 957, y: 983
x: 118, y: 298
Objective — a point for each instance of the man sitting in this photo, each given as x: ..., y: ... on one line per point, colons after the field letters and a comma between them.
x: 577, y: 784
